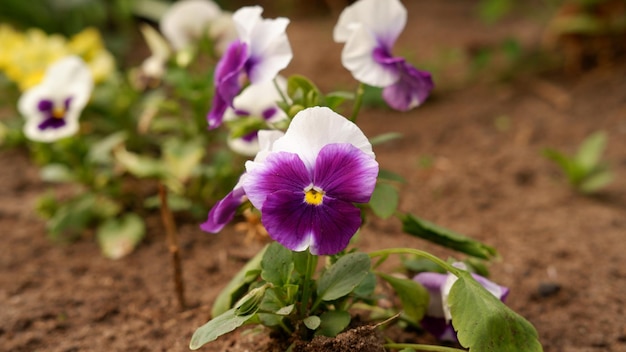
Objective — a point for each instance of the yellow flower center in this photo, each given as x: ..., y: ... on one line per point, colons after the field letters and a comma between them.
x: 313, y: 196
x: 58, y: 112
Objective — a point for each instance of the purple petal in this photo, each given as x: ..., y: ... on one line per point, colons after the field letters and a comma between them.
x: 227, y: 84
x: 410, y: 90
x: 337, y: 222
x: 345, y: 172
x: 288, y: 219
x: 382, y: 55
x: 326, y: 228
x: 45, y: 105
x: 51, y: 122
x: 439, y: 328
x: 431, y: 281
x: 492, y: 287
x: 224, y: 211
x: 280, y: 171
x: 269, y: 112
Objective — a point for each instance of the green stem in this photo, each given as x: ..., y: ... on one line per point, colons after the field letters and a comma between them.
x: 420, y: 347
x: 358, y: 101
x: 311, y: 264
x: 282, y: 96
x: 419, y: 253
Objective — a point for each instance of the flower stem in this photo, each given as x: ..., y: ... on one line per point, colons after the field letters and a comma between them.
x: 423, y: 254
x: 311, y: 264
x: 358, y: 101
x: 172, y: 240
x: 282, y: 95
x: 420, y: 347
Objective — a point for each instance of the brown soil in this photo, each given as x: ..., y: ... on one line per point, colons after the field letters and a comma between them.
x: 562, y: 253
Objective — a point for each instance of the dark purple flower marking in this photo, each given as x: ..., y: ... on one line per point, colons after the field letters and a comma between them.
x: 53, y: 116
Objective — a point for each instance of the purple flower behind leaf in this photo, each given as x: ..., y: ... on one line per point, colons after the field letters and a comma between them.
x: 369, y: 29
x: 436, y: 321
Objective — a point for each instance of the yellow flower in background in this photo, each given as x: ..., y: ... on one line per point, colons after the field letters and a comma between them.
x: 26, y: 55
x: 89, y: 46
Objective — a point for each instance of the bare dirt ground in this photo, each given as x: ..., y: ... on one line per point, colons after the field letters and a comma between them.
x: 562, y: 253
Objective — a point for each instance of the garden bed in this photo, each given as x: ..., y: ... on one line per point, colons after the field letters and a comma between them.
x: 472, y: 160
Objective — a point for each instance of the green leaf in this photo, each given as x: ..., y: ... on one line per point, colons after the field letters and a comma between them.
x: 366, y: 288
x: 70, y: 219
x: 238, y: 284
x: 384, y: 138
x: 57, y: 173
x: 485, y: 324
x: 220, y: 325
x: 182, y: 157
x: 413, y: 296
x: 312, y: 322
x: 444, y: 237
x: 595, y: 181
x: 139, y: 165
x: 333, y: 322
x: 277, y: 264
x: 302, y: 91
x: 343, y: 276
x: 334, y: 99
x: 384, y: 201
x: 101, y: 151
x: 590, y: 151
x: 391, y: 176
x: 119, y: 237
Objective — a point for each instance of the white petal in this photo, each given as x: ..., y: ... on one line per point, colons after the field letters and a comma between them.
x: 32, y: 131
x: 445, y: 292
x: 313, y: 128
x: 384, y: 18
x: 243, y: 147
x: 157, y: 44
x: 269, y: 45
x: 223, y: 32
x: 357, y: 56
x: 259, y: 97
x: 186, y: 20
x: 267, y: 139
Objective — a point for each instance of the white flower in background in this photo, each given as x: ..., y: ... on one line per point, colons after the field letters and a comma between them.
x: 52, y: 108
x: 256, y: 100
x: 188, y: 20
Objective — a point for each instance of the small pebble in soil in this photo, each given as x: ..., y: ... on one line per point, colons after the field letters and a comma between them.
x: 547, y: 289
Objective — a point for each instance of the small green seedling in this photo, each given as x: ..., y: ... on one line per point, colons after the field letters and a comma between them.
x: 585, y: 170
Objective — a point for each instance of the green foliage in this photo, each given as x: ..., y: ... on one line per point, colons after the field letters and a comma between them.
x: 484, y: 324
x: 384, y: 201
x: 413, y: 296
x: 585, y: 170
x: 444, y: 237
x: 118, y: 237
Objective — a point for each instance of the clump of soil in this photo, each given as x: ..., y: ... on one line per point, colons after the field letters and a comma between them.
x: 365, y: 338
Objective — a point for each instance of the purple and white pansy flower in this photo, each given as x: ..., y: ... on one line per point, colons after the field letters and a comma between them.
x: 256, y: 100
x: 369, y: 29
x: 306, y: 182
x: 260, y: 52
x: 53, y: 107
x: 438, y: 320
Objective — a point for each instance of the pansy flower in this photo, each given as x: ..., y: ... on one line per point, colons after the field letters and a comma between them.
x: 369, y: 29
x: 307, y: 184
x: 53, y: 107
x: 438, y: 320
x: 260, y: 52
x: 260, y: 101
x: 186, y: 21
